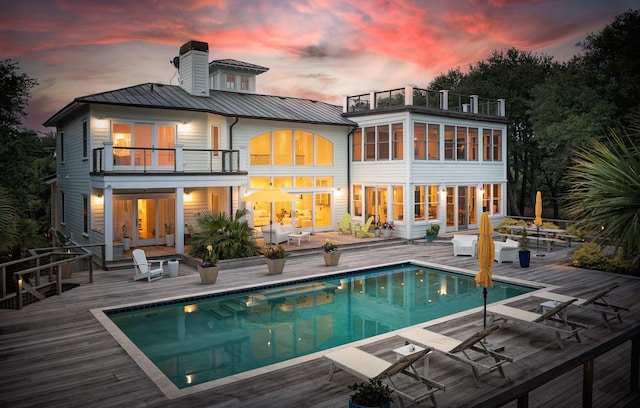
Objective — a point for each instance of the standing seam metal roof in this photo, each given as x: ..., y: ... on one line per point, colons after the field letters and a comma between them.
x: 230, y: 104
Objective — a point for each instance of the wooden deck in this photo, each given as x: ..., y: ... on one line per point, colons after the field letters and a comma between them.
x: 55, y: 353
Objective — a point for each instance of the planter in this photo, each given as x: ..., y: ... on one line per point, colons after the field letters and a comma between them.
x: 66, y: 270
x: 354, y: 405
x: 525, y: 258
x: 377, y: 232
x: 208, y: 275
x: 331, y: 258
x: 171, y: 239
x: 429, y: 237
x: 387, y: 233
x: 276, y: 266
x: 126, y: 244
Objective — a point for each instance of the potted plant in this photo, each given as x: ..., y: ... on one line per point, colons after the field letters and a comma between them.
x: 387, y: 227
x: 330, y: 253
x: 208, y: 268
x: 376, y: 228
x: 432, y: 232
x: 169, y: 235
x: 126, y: 238
x: 371, y: 394
x: 276, y: 257
x: 524, y: 253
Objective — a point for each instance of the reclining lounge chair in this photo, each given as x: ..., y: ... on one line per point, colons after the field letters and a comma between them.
x: 365, y: 366
x: 554, y: 319
x: 470, y: 351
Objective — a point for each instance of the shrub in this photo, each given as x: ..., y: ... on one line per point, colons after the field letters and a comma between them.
x: 509, y: 222
x: 591, y: 256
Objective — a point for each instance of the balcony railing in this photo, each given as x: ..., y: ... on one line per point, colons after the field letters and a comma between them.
x: 112, y: 158
x: 426, y: 98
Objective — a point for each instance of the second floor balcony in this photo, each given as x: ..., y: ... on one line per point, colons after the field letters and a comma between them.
x: 424, y: 98
x: 117, y: 159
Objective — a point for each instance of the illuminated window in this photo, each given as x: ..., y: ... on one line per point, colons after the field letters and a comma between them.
x: 492, y: 198
x: 473, y: 144
x: 497, y: 145
x: 419, y: 141
x: 433, y: 143
x: 166, y: 140
x: 304, y: 182
x: 419, y: 202
x: 357, y: 145
x: 260, y: 150
x: 434, y: 200
x: 370, y: 143
x: 357, y: 200
x: 398, y: 203
x: 304, y: 148
x: 282, y: 148
x: 397, y: 131
x: 383, y: 142
x: 215, y: 140
x: 461, y: 143
x: 324, y: 181
x: 491, y: 145
x: 259, y: 182
x: 324, y: 152
x: 449, y: 142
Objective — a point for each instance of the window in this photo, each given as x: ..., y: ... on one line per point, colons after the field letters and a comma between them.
x: 419, y: 141
x: 397, y: 131
x: 215, y: 140
x: 370, y: 143
x: 383, y: 142
x: 85, y: 214
x: 85, y: 139
x: 398, y: 203
x: 461, y: 143
x: 419, y: 202
x: 61, y: 146
x: 283, y: 182
x: 492, y: 145
x: 324, y: 181
x: 434, y: 200
x: 449, y: 142
x: 425, y: 197
x: 304, y: 182
x: 231, y: 81
x: 473, y: 144
x: 357, y: 145
x: 357, y: 200
x: 497, y: 145
x: 492, y: 198
x: 309, y: 149
x: 433, y: 143
x: 63, y: 218
x: 244, y: 83
x: 167, y: 142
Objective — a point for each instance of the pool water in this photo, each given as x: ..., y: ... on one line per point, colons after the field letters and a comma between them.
x: 196, y: 340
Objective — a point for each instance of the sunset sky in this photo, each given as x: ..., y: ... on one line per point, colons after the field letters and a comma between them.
x: 318, y: 49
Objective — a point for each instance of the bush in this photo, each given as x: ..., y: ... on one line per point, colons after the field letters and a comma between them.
x: 509, y: 222
x: 591, y: 256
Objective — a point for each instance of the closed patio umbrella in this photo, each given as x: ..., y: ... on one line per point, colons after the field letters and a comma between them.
x: 485, y: 258
x: 269, y: 195
x: 538, y: 220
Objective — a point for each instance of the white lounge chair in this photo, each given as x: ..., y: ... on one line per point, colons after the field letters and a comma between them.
x: 367, y: 366
x: 143, y: 267
x: 471, y: 351
x: 465, y: 244
x: 596, y: 303
x: 554, y: 319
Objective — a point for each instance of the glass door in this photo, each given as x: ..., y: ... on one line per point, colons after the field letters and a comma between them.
x: 463, y: 221
x: 144, y: 219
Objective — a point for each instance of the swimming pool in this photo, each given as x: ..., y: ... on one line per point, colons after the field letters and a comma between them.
x: 199, y: 339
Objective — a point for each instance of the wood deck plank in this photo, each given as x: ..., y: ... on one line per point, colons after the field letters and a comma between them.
x: 56, y: 353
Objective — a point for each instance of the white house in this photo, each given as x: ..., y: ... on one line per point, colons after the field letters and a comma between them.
x: 144, y: 161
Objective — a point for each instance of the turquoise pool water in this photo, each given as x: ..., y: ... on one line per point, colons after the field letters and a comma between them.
x: 200, y: 339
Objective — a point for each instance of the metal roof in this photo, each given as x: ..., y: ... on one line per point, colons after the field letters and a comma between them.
x: 225, y: 103
x: 231, y: 63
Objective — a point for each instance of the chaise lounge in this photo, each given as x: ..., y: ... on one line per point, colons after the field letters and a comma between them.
x: 367, y: 366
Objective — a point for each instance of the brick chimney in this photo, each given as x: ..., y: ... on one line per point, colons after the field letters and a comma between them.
x: 194, y: 68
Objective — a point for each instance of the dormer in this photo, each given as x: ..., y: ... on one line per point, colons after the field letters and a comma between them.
x: 235, y: 76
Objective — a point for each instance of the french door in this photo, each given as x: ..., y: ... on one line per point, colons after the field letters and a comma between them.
x: 144, y: 218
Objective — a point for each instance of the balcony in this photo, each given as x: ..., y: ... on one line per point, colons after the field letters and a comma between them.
x: 377, y: 101
x: 153, y: 160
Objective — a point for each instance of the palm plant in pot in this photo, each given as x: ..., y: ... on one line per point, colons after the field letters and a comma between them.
x: 524, y: 253
x: 373, y: 394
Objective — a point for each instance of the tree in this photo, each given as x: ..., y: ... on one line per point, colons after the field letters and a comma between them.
x: 15, y: 90
x: 8, y: 221
x: 610, y: 57
x: 606, y: 190
x: 230, y: 236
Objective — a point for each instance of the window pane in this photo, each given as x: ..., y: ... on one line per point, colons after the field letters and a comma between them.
x: 497, y: 199
x: 370, y: 143
x: 434, y: 142
x: 473, y: 144
x: 419, y: 202
x: 449, y: 142
x: 244, y: 83
x: 231, y: 81
x: 486, y: 145
x: 497, y: 145
x: 166, y: 140
x: 304, y: 182
x: 383, y: 142
x: 461, y: 143
x: 282, y: 148
x: 304, y: 148
x: 357, y: 200
x: 142, y: 139
x: 357, y: 145
x: 121, y: 138
x: 324, y: 151
x: 434, y: 199
x: 398, y: 203
x: 283, y: 182
x: 260, y: 150
x: 398, y: 141
x: 419, y: 141
x: 324, y: 181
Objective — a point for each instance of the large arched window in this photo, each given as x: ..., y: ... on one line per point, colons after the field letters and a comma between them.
x: 277, y: 148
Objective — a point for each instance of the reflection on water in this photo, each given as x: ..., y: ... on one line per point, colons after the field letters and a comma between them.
x: 199, y: 341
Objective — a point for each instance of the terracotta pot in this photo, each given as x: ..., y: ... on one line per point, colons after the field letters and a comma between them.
x: 331, y: 258
x: 276, y: 266
x: 208, y: 275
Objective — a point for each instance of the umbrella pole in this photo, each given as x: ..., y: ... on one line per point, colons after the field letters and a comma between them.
x: 484, y: 295
x: 271, y: 225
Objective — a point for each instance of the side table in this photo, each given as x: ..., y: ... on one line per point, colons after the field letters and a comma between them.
x: 173, y: 266
x: 410, y: 349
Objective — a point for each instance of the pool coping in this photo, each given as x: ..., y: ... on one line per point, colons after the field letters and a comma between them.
x: 171, y: 391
